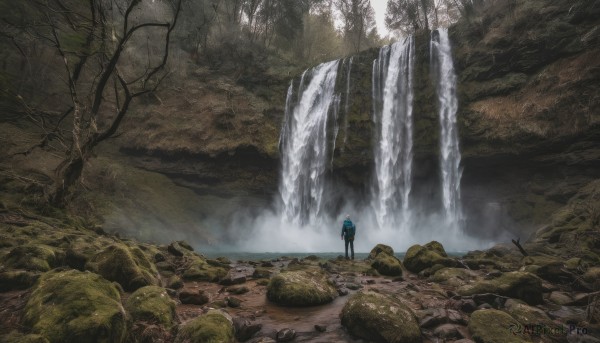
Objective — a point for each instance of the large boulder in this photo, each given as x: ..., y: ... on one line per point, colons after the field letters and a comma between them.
x: 493, y: 326
x: 17, y: 279
x: 301, y: 288
x: 526, y: 314
x: 200, y: 270
x: 151, y: 304
x: 127, y: 266
x: 387, y: 265
x: 421, y: 257
x: 34, y: 257
x: 380, y: 318
x: 73, y: 306
x: 380, y: 248
x: 214, y: 326
x: 520, y: 285
x: 592, y: 276
x: 453, y: 276
x: 17, y: 337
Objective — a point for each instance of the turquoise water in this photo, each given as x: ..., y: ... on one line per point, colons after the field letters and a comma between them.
x: 248, y: 256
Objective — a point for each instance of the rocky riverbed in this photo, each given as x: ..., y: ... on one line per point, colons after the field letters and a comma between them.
x: 61, y: 281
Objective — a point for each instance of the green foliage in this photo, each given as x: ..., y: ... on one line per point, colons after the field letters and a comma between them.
x: 75, y: 307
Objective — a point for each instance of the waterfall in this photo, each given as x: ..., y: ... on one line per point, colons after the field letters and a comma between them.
x: 347, y: 102
x: 304, y: 143
x: 392, y: 115
x: 443, y: 67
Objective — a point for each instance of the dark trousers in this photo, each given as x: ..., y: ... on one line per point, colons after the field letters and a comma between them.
x: 351, y: 242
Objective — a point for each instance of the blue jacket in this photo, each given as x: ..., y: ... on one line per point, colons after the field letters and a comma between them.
x: 348, y: 229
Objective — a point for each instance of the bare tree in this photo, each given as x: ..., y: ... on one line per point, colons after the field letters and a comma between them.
x: 101, y: 70
x: 358, y: 19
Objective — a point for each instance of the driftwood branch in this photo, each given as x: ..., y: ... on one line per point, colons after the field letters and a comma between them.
x: 518, y: 244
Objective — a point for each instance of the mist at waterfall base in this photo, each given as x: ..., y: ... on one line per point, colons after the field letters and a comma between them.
x: 308, y: 214
x: 268, y: 232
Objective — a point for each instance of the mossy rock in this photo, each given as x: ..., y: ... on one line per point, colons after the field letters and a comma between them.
x: 380, y: 318
x: 573, y: 263
x: 37, y: 257
x: 548, y: 268
x: 215, y: 326
x: 592, y: 275
x: 17, y: 337
x: 380, y: 248
x: 152, y: 304
x: 78, y: 254
x: 452, y: 276
x: 17, y: 279
x: 526, y: 314
x: 494, y: 326
x: 174, y: 282
x: 520, y: 285
x: 387, y: 265
x: 78, y: 307
x: 129, y: 267
x: 260, y: 272
x: 301, y: 288
x: 419, y: 257
x: 201, y: 270
x: 437, y: 247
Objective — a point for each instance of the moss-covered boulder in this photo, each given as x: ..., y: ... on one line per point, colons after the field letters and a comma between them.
x: 548, y: 268
x: 526, y: 314
x: 421, y: 257
x: 493, y: 326
x: 387, y: 265
x: 200, y: 270
x: 78, y: 307
x: 79, y: 252
x: 17, y: 337
x: 151, y: 304
x: 592, y: 275
x: 214, y: 326
x: 380, y: 248
x: 127, y: 266
x: 17, y: 279
x: 380, y: 318
x: 37, y: 257
x: 260, y: 273
x: 301, y: 288
x: 520, y: 285
x: 453, y: 276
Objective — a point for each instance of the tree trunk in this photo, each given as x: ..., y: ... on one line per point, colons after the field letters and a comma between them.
x: 68, y: 175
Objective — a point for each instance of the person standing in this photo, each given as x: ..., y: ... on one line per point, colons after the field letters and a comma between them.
x: 348, y: 232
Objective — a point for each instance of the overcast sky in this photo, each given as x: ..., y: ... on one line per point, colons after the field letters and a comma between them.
x: 379, y: 7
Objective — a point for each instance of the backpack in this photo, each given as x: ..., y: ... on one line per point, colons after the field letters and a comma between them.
x: 351, y: 230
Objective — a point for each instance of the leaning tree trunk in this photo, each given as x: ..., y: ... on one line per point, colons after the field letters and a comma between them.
x: 68, y: 174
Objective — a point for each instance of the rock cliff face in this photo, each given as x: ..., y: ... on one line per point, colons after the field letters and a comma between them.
x: 528, y: 83
x: 529, y: 106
